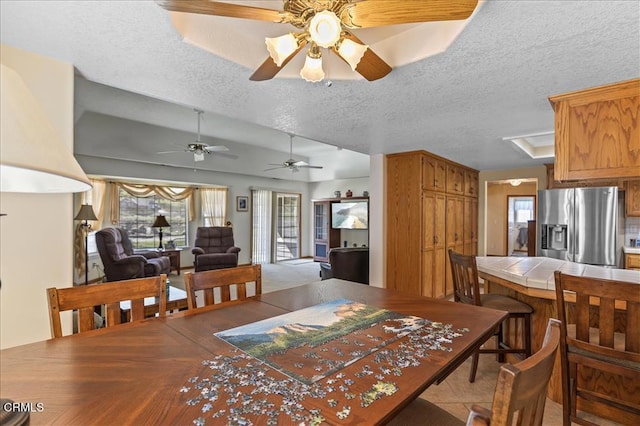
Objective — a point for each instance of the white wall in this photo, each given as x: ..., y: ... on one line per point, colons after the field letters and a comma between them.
x: 377, y: 233
x: 36, y: 247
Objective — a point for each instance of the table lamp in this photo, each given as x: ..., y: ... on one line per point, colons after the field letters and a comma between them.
x: 86, y: 214
x: 161, y: 222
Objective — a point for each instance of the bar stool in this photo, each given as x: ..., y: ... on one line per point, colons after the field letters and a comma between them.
x: 466, y: 289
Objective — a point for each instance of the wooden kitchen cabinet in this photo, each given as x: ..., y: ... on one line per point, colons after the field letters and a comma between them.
x: 632, y: 198
x: 583, y: 183
x: 455, y: 179
x: 426, y: 215
x: 632, y: 261
x: 471, y: 183
x: 434, y: 174
x: 597, y: 132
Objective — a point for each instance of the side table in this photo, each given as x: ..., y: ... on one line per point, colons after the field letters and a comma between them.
x: 174, y: 258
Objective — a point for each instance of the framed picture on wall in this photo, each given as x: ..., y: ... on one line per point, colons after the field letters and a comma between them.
x: 242, y: 204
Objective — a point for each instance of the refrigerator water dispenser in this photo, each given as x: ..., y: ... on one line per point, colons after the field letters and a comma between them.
x: 554, y: 237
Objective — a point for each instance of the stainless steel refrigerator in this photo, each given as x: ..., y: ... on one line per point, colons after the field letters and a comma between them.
x: 578, y: 224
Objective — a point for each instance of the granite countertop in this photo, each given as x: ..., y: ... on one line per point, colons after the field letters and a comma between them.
x: 537, y: 272
x: 631, y: 250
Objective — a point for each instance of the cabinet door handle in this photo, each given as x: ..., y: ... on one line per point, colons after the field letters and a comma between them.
x: 435, y: 239
x: 455, y: 237
x: 435, y: 182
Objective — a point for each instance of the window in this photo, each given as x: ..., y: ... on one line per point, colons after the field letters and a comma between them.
x: 137, y: 214
x: 214, y: 206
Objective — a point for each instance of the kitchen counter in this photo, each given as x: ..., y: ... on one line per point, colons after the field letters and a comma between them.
x: 530, y: 280
x: 631, y: 250
x: 537, y: 272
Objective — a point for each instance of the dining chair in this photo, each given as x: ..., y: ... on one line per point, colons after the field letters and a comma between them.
x: 466, y: 289
x: 84, y: 298
x: 223, y: 280
x: 519, y: 397
x: 598, y: 341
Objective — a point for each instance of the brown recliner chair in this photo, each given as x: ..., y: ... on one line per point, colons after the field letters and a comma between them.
x: 214, y: 248
x: 121, y: 263
x: 347, y: 263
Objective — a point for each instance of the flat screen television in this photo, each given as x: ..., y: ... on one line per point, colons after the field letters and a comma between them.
x: 350, y: 215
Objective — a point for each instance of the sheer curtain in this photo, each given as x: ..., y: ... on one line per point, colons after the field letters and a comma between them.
x: 261, y: 226
x: 214, y: 206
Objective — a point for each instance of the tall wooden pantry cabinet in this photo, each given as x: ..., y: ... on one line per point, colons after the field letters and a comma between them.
x: 432, y: 206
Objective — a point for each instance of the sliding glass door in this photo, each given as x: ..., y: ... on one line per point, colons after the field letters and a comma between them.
x: 275, y: 226
x: 287, y: 227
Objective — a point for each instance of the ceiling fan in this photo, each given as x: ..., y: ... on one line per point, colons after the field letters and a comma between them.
x: 327, y: 24
x: 291, y: 164
x: 199, y: 149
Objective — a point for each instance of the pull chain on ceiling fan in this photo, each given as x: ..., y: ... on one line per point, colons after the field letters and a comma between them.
x: 327, y: 24
x: 291, y: 164
x: 199, y: 149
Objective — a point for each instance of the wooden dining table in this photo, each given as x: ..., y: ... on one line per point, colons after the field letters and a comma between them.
x: 174, y: 370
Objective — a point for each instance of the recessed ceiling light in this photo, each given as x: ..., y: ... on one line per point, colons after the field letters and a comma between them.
x: 536, y: 145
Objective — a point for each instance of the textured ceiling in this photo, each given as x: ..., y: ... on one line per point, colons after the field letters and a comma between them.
x: 492, y: 82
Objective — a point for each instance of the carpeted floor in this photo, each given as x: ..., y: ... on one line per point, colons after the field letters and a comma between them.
x: 275, y: 276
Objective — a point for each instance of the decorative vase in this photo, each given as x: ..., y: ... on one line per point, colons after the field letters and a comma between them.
x: 349, y: 193
x: 337, y: 194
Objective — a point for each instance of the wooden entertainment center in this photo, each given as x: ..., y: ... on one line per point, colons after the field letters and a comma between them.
x: 324, y: 236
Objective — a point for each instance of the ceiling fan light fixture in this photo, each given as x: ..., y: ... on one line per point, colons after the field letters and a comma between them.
x: 280, y: 48
x: 351, y: 52
x: 198, y: 156
x: 325, y: 28
x: 312, y: 70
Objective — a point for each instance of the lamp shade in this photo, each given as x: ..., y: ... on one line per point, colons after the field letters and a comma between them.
x: 280, y: 48
x: 86, y: 213
x: 160, y: 222
x: 352, y: 52
x: 325, y: 28
x: 33, y: 157
x: 312, y: 70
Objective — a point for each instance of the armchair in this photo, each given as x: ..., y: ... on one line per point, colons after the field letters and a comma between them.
x: 347, y: 263
x: 121, y: 263
x: 214, y: 248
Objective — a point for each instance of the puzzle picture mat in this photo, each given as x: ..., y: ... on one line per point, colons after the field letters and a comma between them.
x: 312, y: 343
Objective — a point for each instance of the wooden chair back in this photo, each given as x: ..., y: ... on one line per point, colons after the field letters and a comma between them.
x: 223, y: 280
x: 601, y: 340
x: 521, y: 388
x: 464, y: 271
x: 85, y: 298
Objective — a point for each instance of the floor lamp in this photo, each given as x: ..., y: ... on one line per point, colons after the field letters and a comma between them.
x: 85, y: 215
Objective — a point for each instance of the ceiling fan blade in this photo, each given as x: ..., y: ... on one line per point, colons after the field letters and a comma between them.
x: 366, y: 14
x: 310, y: 167
x: 215, y: 148
x: 371, y: 66
x: 269, y: 69
x: 299, y: 163
x: 274, y: 168
x: 209, y: 7
x: 169, y: 152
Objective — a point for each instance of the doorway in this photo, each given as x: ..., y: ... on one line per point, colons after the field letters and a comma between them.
x: 520, y: 210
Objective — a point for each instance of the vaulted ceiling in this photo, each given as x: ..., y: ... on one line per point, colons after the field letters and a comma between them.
x: 492, y: 82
